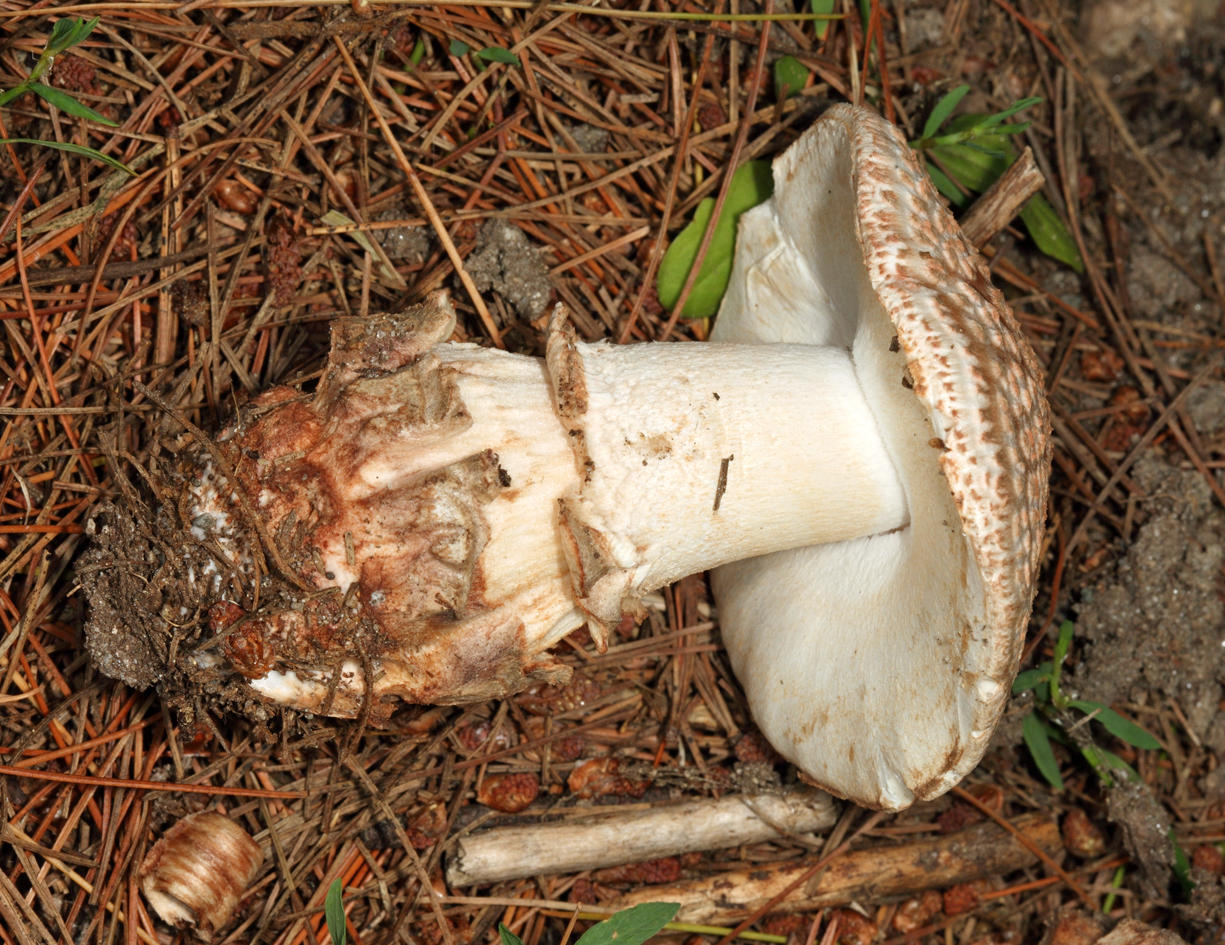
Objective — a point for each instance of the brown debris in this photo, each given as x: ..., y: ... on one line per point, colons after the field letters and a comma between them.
x: 508, y: 793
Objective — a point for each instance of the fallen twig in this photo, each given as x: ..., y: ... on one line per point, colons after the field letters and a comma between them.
x: 620, y: 836
x: 871, y: 875
x: 996, y: 208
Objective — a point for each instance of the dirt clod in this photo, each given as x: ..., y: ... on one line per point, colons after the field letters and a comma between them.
x: 1145, y: 826
x: 506, y: 262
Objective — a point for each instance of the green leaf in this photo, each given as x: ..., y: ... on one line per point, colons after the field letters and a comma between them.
x: 497, y: 54
x: 943, y: 109
x: 64, y: 34
x: 1018, y: 106
x: 334, y: 913
x: 1117, y: 725
x: 1182, y: 866
x: 1031, y: 678
x: 1044, y: 227
x: 632, y: 926
x: 458, y: 48
x: 975, y: 169
x: 507, y: 936
x: 750, y: 185
x: 790, y: 75
x: 9, y: 94
x: 977, y: 162
x: 73, y: 149
x: 67, y: 33
x: 1038, y: 740
x: 418, y: 52
x: 66, y: 103
x: 824, y: 8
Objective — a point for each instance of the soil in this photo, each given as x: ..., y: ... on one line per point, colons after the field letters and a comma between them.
x: 506, y: 262
x: 1155, y: 622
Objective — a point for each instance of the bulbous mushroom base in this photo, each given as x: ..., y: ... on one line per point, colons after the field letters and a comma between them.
x: 378, y: 540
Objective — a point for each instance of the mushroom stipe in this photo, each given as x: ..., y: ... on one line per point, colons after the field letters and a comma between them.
x: 429, y: 522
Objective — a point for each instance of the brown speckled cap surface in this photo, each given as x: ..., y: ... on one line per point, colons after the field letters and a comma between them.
x: 967, y: 358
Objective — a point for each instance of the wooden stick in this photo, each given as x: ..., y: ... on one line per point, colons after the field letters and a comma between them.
x: 1003, y: 200
x: 630, y: 836
x: 869, y: 875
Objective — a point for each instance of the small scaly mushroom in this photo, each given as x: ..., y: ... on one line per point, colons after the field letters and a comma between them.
x: 198, y: 870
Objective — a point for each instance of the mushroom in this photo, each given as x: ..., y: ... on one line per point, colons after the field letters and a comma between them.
x: 199, y: 870
x: 436, y: 516
x: 881, y: 665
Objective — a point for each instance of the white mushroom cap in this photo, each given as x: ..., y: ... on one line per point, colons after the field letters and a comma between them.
x: 881, y: 665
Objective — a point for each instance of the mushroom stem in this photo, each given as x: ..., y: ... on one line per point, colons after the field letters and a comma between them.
x: 696, y: 455
x: 449, y: 512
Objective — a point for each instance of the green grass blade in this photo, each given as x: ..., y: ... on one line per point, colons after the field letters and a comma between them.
x: 507, y: 937
x: 1017, y: 106
x: 66, y: 103
x: 1014, y: 129
x: 1100, y: 761
x: 952, y: 193
x: 1038, y: 741
x: 73, y: 149
x: 334, y: 913
x: 1182, y: 866
x: 9, y: 94
x: 1066, y: 629
x: 944, y: 108
x: 1117, y: 725
x: 1115, y: 763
